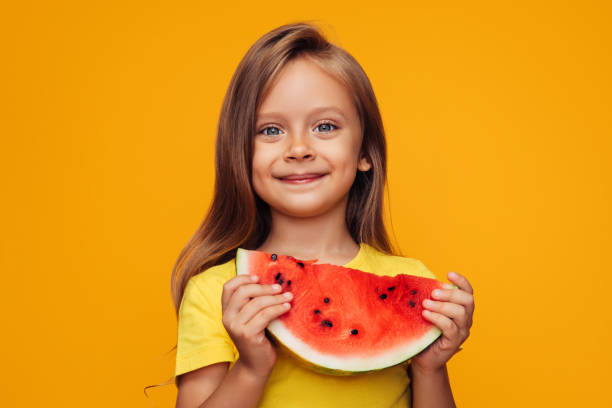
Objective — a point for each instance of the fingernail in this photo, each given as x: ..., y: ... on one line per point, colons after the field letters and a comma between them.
x: 436, y: 292
x: 427, y: 302
x: 453, y: 275
x: 276, y: 287
x: 254, y: 277
x: 286, y: 305
x: 288, y: 295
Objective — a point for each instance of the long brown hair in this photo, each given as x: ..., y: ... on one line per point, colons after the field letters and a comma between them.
x: 237, y: 217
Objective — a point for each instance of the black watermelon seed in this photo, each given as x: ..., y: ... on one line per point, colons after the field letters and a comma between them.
x: 383, y: 296
x: 317, y: 311
x: 273, y: 257
x: 277, y: 276
x: 391, y: 288
x: 326, y: 323
x: 326, y: 300
x: 289, y: 282
x: 354, y: 331
x: 301, y: 264
x: 281, y: 281
x: 411, y: 303
x: 413, y: 291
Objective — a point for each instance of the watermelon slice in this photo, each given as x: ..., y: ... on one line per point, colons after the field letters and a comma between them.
x: 344, y: 321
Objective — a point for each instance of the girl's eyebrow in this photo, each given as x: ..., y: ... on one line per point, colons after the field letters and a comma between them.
x: 319, y: 109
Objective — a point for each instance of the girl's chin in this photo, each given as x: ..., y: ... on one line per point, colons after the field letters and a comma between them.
x: 302, y: 211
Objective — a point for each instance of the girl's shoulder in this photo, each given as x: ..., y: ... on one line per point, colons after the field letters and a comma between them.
x: 381, y: 263
x: 215, y: 276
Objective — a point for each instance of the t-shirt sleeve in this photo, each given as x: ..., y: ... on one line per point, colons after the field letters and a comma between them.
x: 202, y: 339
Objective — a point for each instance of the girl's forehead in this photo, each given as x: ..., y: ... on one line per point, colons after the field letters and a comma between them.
x: 324, y: 109
x: 302, y: 87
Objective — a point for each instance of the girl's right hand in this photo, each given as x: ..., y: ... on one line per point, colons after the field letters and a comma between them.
x: 247, y: 308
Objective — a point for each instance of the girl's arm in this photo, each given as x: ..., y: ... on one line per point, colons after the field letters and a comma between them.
x: 452, y: 313
x: 247, y: 309
x: 218, y: 387
x: 431, y: 389
x: 197, y: 385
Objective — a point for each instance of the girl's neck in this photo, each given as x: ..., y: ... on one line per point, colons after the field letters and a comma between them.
x: 324, y: 237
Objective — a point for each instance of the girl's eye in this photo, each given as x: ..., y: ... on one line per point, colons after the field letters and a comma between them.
x: 327, y: 125
x: 270, y: 134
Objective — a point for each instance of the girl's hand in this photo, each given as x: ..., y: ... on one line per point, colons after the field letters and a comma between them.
x: 247, y: 309
x: 451, y: 313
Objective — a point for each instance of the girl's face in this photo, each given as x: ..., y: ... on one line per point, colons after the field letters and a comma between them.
x: 307, y: 146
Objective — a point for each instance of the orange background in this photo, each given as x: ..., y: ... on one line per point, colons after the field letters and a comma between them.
x: 498, y: 123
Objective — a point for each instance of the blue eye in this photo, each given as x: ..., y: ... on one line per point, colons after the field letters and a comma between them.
x: 327, y: 124
x: 269, y: 127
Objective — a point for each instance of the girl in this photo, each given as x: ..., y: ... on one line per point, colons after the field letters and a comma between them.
x: 300, y: 170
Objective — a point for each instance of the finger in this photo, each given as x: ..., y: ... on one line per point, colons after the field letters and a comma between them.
x: 259, y: 322
x: 448, y: 327
x: 243, y: 294
x: 456, y: 296
x: 460, y: 281
x: 448, y: 309
x: 261, y: 302
x: 249, y: 291
x: 231, y: 285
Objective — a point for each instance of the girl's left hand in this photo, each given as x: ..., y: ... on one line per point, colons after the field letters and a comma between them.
x: 451, y: 313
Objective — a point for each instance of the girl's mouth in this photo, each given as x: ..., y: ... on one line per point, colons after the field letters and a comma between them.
x: 301, y: 179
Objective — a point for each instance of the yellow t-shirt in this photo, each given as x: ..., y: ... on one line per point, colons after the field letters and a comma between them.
x: 202, y: 340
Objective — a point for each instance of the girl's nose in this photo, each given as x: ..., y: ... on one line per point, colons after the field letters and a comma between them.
x: 299, y: 150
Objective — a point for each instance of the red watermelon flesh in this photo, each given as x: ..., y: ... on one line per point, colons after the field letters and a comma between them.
x: 343, y: 319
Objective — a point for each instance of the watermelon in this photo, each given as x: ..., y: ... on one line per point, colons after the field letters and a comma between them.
x: 344, y: 321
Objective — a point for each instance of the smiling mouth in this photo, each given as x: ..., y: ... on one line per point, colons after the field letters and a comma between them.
x: 304, y: 179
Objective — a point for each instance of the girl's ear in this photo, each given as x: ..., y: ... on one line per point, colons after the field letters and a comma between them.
x: 364, y: 164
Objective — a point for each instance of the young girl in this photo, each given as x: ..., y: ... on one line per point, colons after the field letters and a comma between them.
x: 300, y: 170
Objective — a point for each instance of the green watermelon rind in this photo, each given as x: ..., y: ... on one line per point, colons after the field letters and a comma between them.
x: 345, y: 365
